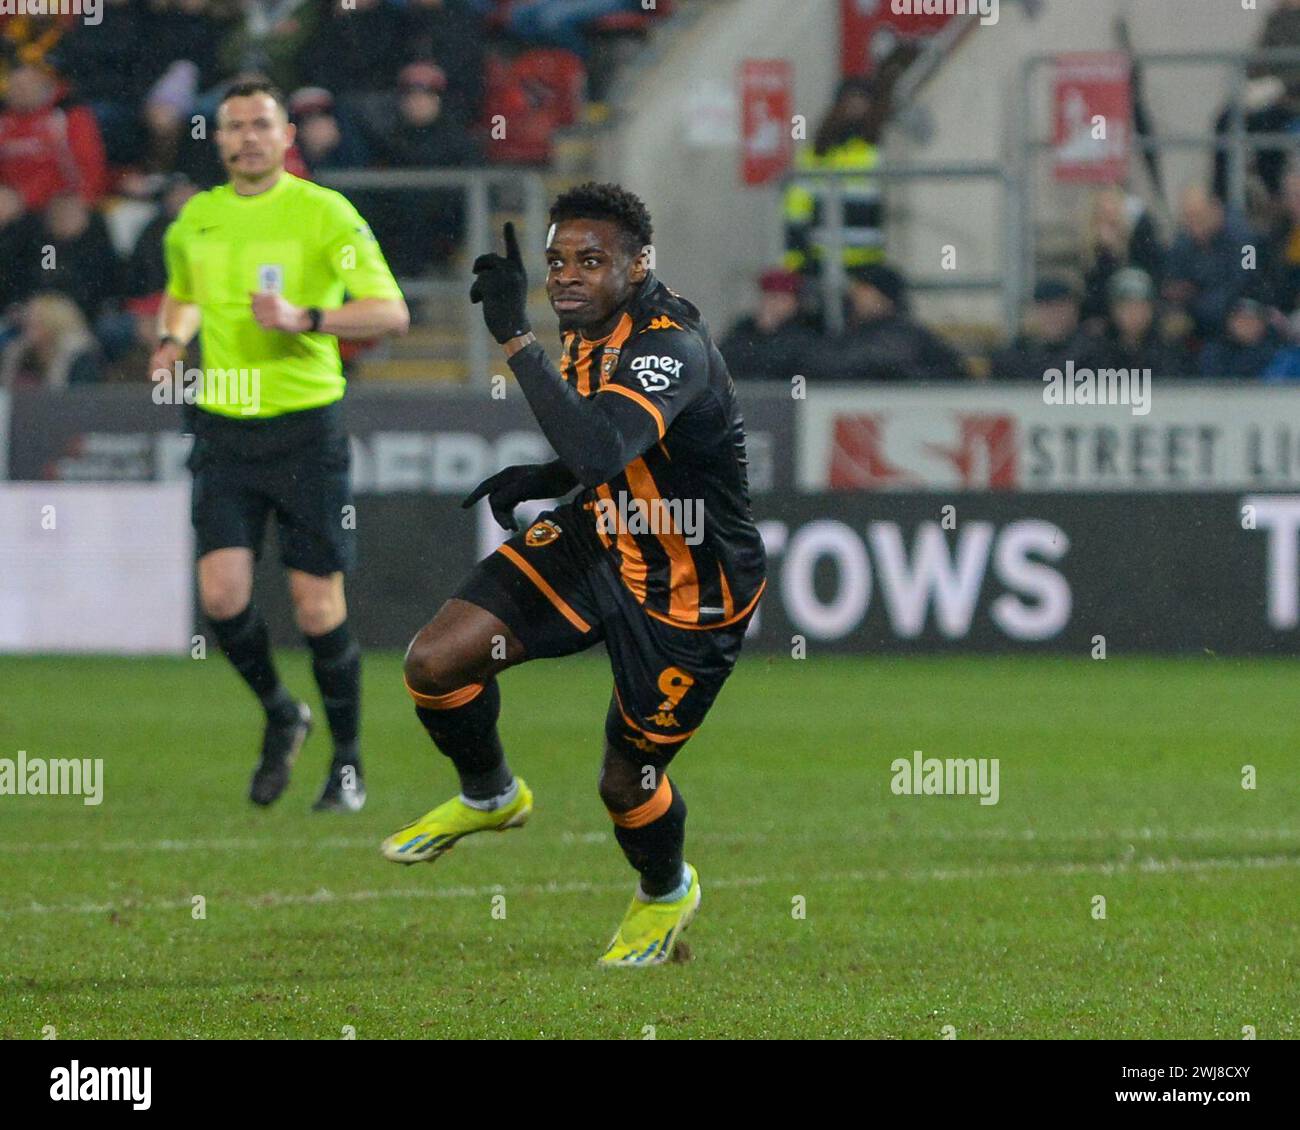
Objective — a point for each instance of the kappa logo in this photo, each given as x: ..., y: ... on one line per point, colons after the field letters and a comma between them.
x: 665, y: 719
x: 541, y: 533
x: 663, y: 322
x: 643, y: 744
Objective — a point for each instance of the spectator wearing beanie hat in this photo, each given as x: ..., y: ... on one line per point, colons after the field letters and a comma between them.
x: 417, y: 228
x: 881, y: 339
x: 1134, y: 333
x: 775, y: 342
x: 1051, y: 339
x: 324, y: 141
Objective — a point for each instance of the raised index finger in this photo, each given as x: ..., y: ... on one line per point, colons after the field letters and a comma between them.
x: 512, y: 244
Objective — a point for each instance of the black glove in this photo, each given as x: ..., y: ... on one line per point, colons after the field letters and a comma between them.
x: 502, y: 286
x: 507, y: 489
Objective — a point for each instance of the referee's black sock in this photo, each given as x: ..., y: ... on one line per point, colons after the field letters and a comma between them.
x: 246, y: 642
x: 336, y: 663
x: 463, y: 725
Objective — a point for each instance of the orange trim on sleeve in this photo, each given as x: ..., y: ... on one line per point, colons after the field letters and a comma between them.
x: 561, y: 605
x: 649, y: 812
x: 632, y: 394
x: 448, y: 701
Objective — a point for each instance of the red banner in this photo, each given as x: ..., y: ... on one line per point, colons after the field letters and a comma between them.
x: 869, y: 30
x: 767, y: 105
x: 1094, y: 113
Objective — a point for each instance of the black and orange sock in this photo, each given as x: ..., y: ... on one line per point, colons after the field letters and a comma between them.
x: 246, y: 642
x: 652, y: 836
x: 463, y: 725
x: 336, y: 663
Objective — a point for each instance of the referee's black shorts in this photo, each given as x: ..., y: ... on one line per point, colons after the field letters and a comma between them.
x: 559, y: 593
x: 294, y: 466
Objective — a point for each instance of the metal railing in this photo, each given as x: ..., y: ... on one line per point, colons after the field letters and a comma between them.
x: 829, y: 235
x: 1238, y: 145
x: 1019, y: 207
x: 476, y: 187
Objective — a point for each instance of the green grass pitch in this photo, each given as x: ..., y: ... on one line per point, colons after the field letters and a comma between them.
x: 1119, y: 778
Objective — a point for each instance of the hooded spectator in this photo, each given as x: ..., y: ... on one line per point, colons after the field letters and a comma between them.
x: 881, y: 340
x: 1052, y: 338
x: 774, y: 343
x: 1248, y: 345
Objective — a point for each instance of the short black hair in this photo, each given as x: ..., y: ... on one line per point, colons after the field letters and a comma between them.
x: 592, y: 201
x: 247, y: 85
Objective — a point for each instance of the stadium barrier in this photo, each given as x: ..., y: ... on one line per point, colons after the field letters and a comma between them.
x: 896, y: 519
x: 480, y: 190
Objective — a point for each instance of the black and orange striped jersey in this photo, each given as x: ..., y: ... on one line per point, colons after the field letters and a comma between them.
x: 676, y: 520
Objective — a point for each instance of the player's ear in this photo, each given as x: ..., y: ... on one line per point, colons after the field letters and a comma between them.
x: 640, y: 266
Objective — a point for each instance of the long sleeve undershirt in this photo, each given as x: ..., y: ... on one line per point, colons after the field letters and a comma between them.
x: 595, y: 437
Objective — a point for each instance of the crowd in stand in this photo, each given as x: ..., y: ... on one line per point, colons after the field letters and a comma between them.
x: 105, y: 132
x: 1220, y: 297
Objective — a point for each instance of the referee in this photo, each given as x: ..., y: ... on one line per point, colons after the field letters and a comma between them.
x: 259, y: 268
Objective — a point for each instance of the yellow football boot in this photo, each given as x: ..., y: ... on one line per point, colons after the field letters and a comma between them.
x: 650, y: 930
x: 439, y: 831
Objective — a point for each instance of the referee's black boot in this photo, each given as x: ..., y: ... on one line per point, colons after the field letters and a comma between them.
x: 345, y: 788
x: 280, y: 745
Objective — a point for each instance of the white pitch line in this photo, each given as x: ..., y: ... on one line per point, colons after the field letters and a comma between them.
x: 947, y: 835
x: 275, y: 899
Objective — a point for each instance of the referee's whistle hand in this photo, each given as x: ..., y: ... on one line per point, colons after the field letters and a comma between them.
x: 275, y: 312
x: 164, y: 358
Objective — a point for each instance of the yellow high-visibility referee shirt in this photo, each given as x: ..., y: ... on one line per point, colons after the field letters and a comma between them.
x: 298, y: 238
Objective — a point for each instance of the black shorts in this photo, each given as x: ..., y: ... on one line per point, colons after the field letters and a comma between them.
x: 555, y: 588
x: 295, y: 467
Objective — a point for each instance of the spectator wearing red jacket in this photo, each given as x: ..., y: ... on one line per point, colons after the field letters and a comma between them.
x: 45, y: 148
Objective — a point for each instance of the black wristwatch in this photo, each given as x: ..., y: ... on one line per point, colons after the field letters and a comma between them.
x: 168, y: 339
x: 314, y: 317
